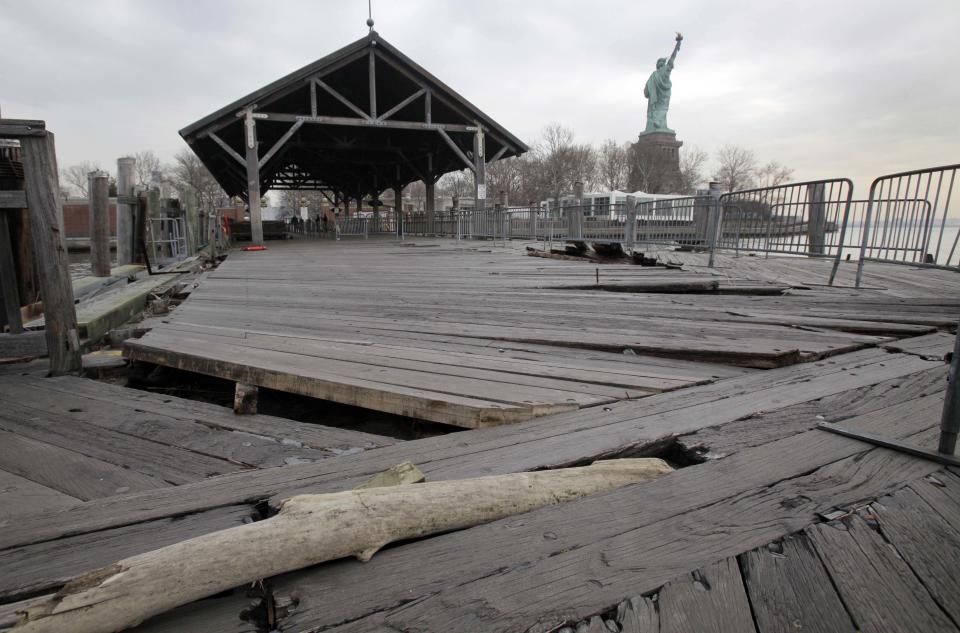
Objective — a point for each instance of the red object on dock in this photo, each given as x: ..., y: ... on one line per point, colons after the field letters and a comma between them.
x: 254, y: 248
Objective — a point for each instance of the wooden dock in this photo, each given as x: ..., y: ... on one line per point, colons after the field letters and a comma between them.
x: 768, y: 524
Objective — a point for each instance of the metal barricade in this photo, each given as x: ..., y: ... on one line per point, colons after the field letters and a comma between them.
x: 907, y: 220
x: 805, y: 218
x: 681, y: 221
x: 354, y: 226
x: 168, y: 240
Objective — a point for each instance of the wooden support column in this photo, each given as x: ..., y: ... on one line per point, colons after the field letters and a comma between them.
x: 125, y: 210
x: 245, y: 399
x: 479, y: 170
x: 9, y: 293
x: 630, y: 227
x: 575, y: 215
x: 46, y: 214
x: 253, y: 179
x: 192, y: 215
x: 99, y: 223
x: 430, y: 205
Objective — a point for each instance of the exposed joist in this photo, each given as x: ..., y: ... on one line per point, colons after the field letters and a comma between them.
x: 16, y: 128
x: 229, y: 150
x: 373, y: 84
x: 457, y: 150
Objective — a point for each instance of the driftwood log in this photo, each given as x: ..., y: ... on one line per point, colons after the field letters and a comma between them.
x: 310, y: 529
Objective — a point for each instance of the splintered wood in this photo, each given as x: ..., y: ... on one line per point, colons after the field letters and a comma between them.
x: 473, y: 337
x: 311, y: 529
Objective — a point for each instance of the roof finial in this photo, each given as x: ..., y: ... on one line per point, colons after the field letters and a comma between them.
x: 370, y: 14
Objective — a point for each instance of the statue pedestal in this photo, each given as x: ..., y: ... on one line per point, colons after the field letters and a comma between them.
x: 655, y: 167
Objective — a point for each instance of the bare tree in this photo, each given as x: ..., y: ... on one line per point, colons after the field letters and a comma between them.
x: 506, y: 175
x: 561, y: 162
x: 612, y: 165
x: 147, y: 163
x: 773, y: 174
x: 188, y: 173
x: 737, y: 168
x: 692, y: 160
x: 459, y: 183
x: 76, y: 176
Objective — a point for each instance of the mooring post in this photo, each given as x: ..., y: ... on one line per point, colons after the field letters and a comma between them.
x: 950, y: 420
x: 125, y: 207
x: 99, y: 223
x: 56, y: 289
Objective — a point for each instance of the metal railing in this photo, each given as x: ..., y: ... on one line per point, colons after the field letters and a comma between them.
x: 907, y: 220
x: 168, y: 240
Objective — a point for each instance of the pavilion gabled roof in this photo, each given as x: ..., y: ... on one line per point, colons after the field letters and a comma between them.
x: 357, y: 121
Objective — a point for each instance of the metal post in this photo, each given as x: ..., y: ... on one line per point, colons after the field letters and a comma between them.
x: 575, y: 217
x: 630, y: 227
x: 714, y: 224
x: 950, y: 421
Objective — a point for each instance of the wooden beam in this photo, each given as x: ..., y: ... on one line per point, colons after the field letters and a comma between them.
x: 498, y: 155
x: 428, y: 106
x: 43, y: 199
x: 349, y: 121
x: 313, y: 98
x: 232, y: 152
x: 283, y: 139
x: 9, y: 293
x: 373, y: 84
x: 479, y: 170
x: 339, y: 97
x: 13, y: 200
x: 401, y: 105
x: 17, y: 128
x: 456, y: 149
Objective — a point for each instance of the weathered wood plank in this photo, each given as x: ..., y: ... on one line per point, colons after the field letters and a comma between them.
x: 878, y: 588
x: 927, y: 542
x: 24, y: 344
x: 589, y: 555
x: 710, y: 600
x: 67, y: 471
x: 790, y: 589
x: 46, y: 566
x: 13, y: 200
x: 560, y: 440
x: 20, y: 496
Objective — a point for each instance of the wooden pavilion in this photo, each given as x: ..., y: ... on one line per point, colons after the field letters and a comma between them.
x: 354, y: 123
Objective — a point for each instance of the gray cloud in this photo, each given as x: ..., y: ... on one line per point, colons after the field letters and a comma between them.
x: 850, y: 88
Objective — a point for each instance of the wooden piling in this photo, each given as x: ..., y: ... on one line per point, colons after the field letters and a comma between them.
x: 46, y: 213
x: 99, y: 224
x: 125, y: 211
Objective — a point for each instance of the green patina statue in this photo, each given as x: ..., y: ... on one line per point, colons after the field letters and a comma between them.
x: 657, y: 92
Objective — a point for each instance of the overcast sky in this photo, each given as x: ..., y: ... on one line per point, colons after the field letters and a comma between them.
x: 834, y: 88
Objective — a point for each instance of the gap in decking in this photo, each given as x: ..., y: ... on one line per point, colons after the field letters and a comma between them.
x: 219, y: 391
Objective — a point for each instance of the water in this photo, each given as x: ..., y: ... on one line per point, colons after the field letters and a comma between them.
x: 79, y: 264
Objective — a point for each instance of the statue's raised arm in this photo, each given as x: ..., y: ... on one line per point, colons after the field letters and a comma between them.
x: 676, y: 49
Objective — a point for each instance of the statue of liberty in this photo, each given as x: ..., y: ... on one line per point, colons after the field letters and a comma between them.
x: 657, y: 92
